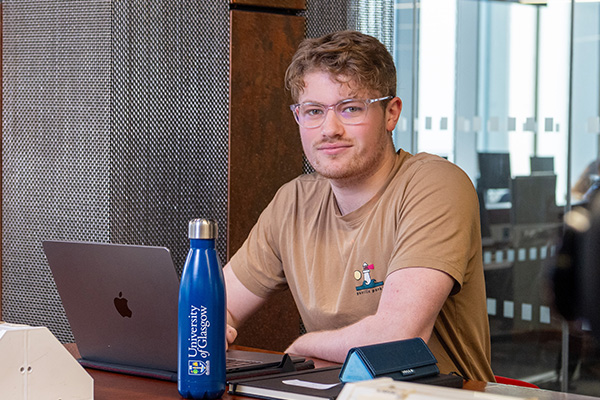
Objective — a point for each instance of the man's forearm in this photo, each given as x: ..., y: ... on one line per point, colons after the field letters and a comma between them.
x: 334, y: 345
x: 410, y: 303
x: 320, y: 345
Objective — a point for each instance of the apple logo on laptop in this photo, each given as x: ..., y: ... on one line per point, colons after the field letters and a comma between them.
x: 122, y: 307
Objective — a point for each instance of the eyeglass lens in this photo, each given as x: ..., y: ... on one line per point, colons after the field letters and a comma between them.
x: 311, y: 115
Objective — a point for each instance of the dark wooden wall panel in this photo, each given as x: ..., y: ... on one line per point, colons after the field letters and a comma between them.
x: 285, y: 4
x: 264, y: 148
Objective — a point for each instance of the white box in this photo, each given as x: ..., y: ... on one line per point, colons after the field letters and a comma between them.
x: 35, y: 366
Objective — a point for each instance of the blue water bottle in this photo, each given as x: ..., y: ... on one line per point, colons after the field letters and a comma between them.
x: 202, y: 317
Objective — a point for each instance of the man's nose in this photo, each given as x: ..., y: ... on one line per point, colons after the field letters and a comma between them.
x: 332, y: 126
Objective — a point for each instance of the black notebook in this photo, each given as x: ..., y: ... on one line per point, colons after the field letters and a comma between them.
x: 315, y: 384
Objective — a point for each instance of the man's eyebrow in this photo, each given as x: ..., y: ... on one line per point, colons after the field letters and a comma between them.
x: 323, y: 104
x: 311, y: 102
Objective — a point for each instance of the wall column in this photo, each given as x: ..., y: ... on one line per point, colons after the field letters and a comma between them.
x: 264, y: 146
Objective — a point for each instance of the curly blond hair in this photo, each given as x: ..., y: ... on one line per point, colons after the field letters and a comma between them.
x: 350, y: 57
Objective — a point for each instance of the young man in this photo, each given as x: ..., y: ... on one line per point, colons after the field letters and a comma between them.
x: 376, y: 245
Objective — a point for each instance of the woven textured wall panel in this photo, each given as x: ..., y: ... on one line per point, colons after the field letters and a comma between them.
x: 115, y: 129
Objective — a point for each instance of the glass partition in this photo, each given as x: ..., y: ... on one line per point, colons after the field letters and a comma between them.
x: 509, y: 91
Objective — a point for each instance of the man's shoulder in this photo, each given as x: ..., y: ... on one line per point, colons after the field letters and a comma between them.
x: 425, y: 165
x: 300, y: 194
x: 303, y: 189
x: 305, y: 184
x: 427, y: 159
x: 428, y: 174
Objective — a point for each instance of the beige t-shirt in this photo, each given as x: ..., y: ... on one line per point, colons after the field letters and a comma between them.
x: 336, y: 266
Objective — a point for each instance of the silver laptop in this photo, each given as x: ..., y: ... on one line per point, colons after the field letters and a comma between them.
x: 121, y: 303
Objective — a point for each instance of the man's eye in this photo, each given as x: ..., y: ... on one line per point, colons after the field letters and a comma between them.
x: 313, y: 112
x: 352, y: 108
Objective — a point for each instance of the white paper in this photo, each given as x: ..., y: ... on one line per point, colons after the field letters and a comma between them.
x: 312, y: 385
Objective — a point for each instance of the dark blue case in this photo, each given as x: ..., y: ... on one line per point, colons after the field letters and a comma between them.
x: 401, y: 360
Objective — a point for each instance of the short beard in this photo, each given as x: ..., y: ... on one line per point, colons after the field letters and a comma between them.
x: 358, y: 168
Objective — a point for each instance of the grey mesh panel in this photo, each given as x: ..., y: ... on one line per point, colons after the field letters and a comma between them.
x: 115, y: 129
x: 169, y: 120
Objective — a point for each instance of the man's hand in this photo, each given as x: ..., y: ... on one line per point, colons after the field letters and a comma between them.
x: 230, y: 335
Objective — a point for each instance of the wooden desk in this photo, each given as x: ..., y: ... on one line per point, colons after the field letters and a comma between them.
x: 111, y: 386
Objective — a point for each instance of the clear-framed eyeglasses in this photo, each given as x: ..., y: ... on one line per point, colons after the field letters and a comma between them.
x: 349, y: 111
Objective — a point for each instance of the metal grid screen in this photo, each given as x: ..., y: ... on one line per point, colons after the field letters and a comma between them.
x: 115, y: 129
x: 170, y: 122
x: 373, y: 17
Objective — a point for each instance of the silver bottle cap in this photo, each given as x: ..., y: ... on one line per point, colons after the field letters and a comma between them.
x: 203, y: 228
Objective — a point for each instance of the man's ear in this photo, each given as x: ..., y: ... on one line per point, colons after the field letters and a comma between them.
x: 392, y: 113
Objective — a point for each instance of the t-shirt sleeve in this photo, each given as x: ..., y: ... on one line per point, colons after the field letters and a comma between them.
x: 257, y: 264
x: 437, y: 221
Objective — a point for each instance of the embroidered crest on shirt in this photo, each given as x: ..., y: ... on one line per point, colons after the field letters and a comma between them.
x: 365, y: 277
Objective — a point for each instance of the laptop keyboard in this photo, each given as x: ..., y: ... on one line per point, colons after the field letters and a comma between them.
x: 237, y: 363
